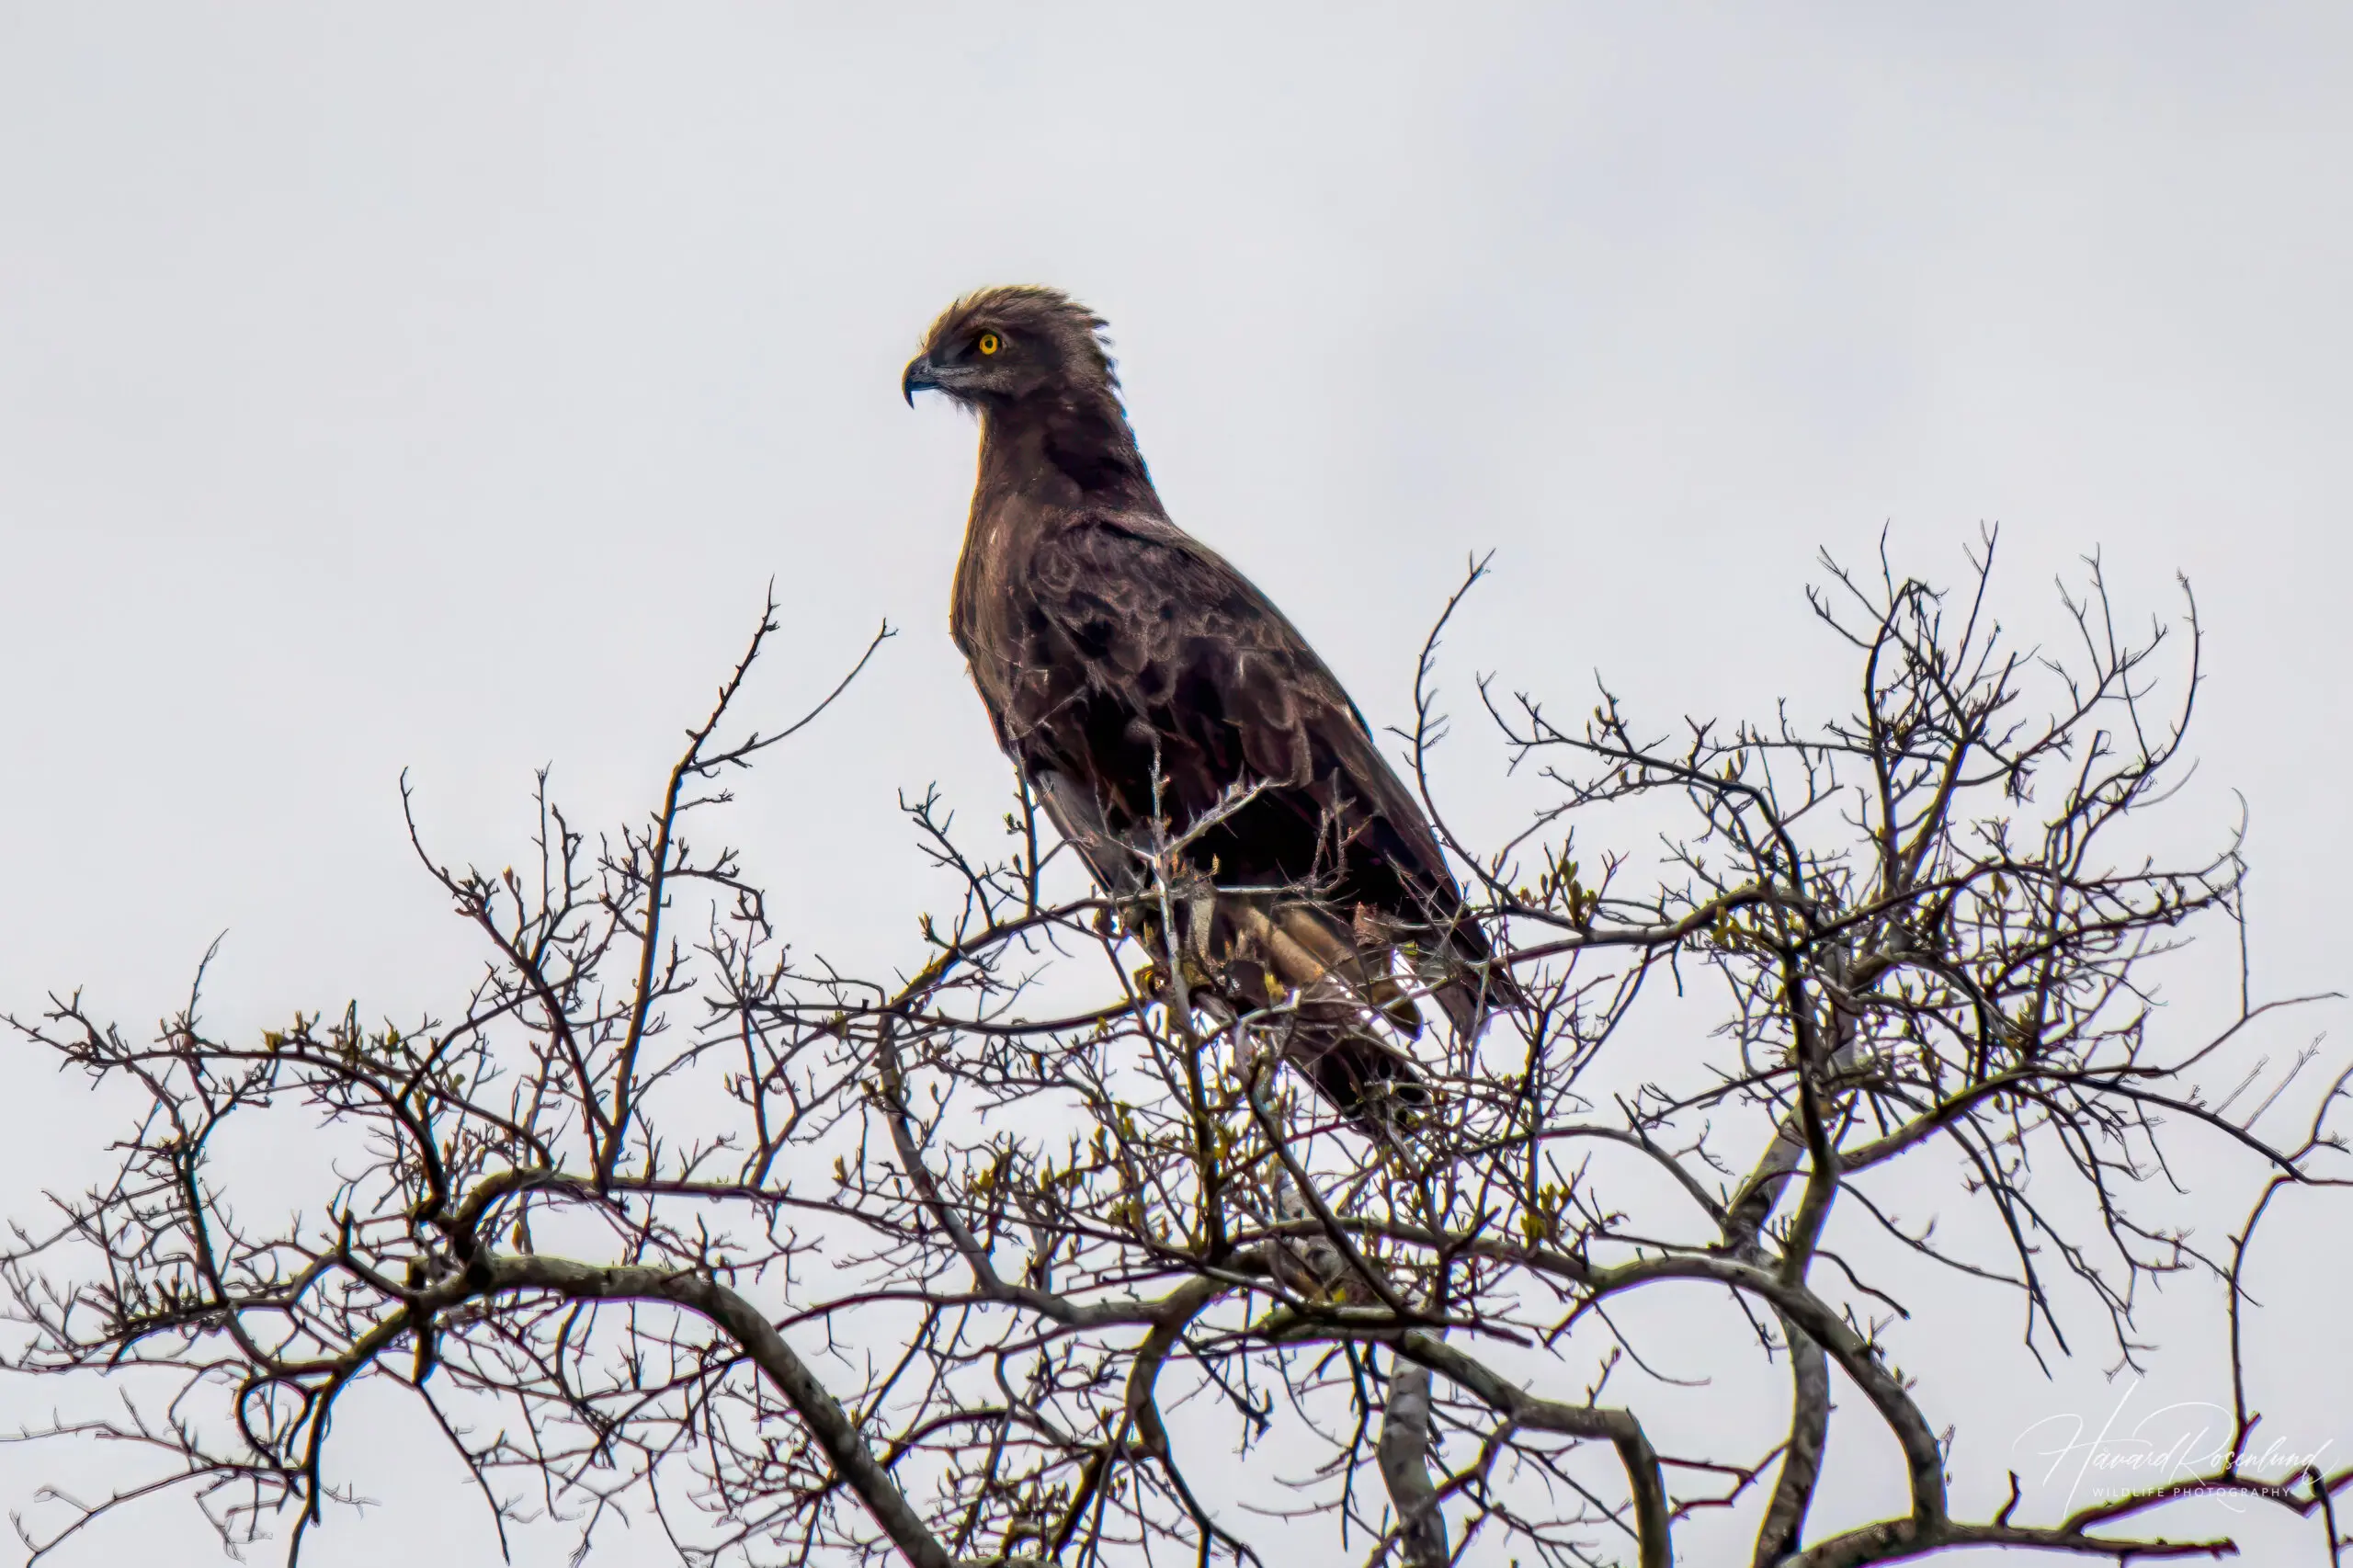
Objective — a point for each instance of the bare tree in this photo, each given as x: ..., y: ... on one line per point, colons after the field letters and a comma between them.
x: 808, y: 1265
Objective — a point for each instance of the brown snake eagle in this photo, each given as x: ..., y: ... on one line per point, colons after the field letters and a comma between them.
x: 1151, y: 695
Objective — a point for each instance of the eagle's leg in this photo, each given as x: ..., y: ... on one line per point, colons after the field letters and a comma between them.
x: 1203, y: 944
x: 1359, y: 956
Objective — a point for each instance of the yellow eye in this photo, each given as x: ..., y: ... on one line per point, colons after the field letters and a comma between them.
x: 989, y: 343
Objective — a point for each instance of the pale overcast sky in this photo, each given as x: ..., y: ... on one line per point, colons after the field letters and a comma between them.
x: 437, y: 387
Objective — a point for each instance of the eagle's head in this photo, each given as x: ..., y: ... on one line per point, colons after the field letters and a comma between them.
x: 1008, y: 345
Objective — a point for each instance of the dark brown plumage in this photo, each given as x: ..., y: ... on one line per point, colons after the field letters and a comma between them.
x: 1109, y: 644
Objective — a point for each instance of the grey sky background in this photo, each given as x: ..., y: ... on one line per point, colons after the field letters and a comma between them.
x: 437, y: 387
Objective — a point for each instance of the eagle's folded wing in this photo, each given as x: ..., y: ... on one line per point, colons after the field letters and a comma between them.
x: 1150, y: 650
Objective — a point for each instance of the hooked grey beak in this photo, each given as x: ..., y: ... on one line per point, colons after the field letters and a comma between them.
x: 918, y: 378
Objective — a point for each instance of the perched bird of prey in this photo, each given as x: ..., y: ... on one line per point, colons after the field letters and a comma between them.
x: 1151, y: 695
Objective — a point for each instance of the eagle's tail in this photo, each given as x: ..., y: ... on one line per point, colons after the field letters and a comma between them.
x: 1363, y: 1077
